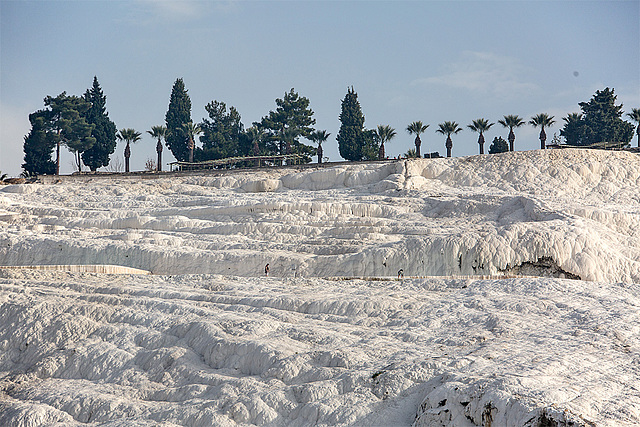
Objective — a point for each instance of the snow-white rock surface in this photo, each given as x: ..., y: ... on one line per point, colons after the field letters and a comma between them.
x: 207, y: 341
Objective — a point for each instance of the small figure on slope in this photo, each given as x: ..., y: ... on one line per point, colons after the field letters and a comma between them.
x: 266, y: 270
x: 401, y: 274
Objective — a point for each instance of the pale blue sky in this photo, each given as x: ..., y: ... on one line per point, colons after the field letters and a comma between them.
x: 407, y: 60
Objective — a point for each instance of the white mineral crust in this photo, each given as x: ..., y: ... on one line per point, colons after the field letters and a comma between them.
x: 486, y: 328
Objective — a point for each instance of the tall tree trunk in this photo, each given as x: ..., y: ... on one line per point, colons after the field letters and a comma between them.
x: 638, y: 132
x: 512, y: 139
x: 320, y: 153
x: 256, y: 151
x: 191, y: 146
x: 381, y: 153
x: 543, y: 139
x: 481, y: 143
x: 449, y: 145
x: 58, y: 154
x: 127, y: 154
x: 159, y: 151
x: 418, y: 144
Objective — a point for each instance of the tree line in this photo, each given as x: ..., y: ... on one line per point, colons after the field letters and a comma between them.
x: 82, y: 125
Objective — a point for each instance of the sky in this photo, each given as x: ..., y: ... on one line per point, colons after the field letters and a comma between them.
x: 432, y: 61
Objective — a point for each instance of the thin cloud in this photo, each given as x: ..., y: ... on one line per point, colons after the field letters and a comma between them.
x: 484, y: 73
x: 180, y: 10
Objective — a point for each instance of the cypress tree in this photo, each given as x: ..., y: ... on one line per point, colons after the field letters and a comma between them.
x: 104, y: 130
x: 178, y: 115
x: 39, y: 145
x: 351, y: 136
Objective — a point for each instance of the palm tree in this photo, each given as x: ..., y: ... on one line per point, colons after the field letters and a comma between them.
x: 542, y: 120
x: 511, y: 122
x: 158, y: 132
x: 254, y: 135
x: 384, y: 133
x: 417, y: 128
x: 411, y: 153
x: 448, y: 128
x: 192, y: 131
x: 480, y: 126
x: 635, y: 116
x: 129, y: 135
x: 319, y: 137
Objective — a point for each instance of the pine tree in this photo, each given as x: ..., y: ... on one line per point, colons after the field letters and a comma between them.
x: 104, y: 130
x: 351, y: 136
x: 68, y: 122
x: 39, y: 145
x: 178, y: 115
x: 601, y: 121
x: 291, y: 120
x: 221, y: 132
x: 571, y: 129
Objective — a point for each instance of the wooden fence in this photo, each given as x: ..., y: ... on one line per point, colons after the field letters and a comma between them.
x: 229, y: 162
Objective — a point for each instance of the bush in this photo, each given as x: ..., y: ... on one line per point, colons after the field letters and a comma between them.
x: 499, y: 145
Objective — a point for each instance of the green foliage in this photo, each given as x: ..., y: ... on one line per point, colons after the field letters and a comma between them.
x: 159, y: 132
x: 411, y: 154
x: 39, y: 145
x: 448, y: 128
x: 68, y: 121
x: 178, y: 114
x: 499, y: 145
x: 192, y: 130
x: 635, y: 116
x: 383, y: 134
x: 283, y: 127
x: 319, y: 136
x: 129, y: 135
x: 480, y: 126
x: 252, y: 141
x: 353, y: 142
x: 221, y: 133
x: 512, y: 121
x: 417, y: 128
x: 104, y: 130
x: 542, y: 120
x: 370, y: 149
x: 571, y: 129
x: 600, y: 122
